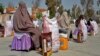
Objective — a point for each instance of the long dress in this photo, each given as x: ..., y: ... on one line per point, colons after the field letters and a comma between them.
x: 21, y: 41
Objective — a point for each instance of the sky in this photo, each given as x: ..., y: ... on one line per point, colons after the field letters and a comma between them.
x: 68, y: 4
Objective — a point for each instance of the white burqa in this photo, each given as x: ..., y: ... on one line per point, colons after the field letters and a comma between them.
x: 95, y: 26
x: 8, y: 27
x: 84, y: 29
x: 55, y: 33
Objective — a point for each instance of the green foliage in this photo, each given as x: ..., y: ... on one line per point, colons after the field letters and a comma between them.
x: 51, y: 7
x: 52, y: 13
x: 1, y: 8
x: 39, y: 15
x: 52, y: 4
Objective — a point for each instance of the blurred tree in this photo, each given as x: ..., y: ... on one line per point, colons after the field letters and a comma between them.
x: 89, y: 4
x: 87, y: 7
x: 39, y: 15
x: 60, y: 10
x: 89, y: 13
x: 65, y: 10
x: 98, y: 3
x: 83, y: 3
x: 54, y: 6
x: 35, y: 5
x: 78, y: 11
x: 74, y: 11
x: 51, y: 7
x: 1, y: 8
x: 98, y: 12
x: 68, y: 11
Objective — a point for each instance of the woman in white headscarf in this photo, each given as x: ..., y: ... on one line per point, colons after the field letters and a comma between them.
x: 9, y: 26
x: 95, y: 26
x: 82, y: 26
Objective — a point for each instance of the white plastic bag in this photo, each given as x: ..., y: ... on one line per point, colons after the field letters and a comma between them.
x: 55, y: 33
x: 8, y: 28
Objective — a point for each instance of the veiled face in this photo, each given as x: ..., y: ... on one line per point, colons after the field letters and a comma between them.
x: 22, y: 5
x: 22, y: 8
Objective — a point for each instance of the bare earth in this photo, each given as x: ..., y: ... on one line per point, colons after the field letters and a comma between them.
x: 89, y: 48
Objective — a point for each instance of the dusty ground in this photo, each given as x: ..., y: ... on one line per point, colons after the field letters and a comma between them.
x: 89, y: 48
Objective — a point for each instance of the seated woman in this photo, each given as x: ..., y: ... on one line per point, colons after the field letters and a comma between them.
x: 95, y: 26
x: 8, y: 27
x: 22, y: 23
x: 81, y: 28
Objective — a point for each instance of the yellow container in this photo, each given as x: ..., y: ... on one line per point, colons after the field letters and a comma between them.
x: 63, y: 43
